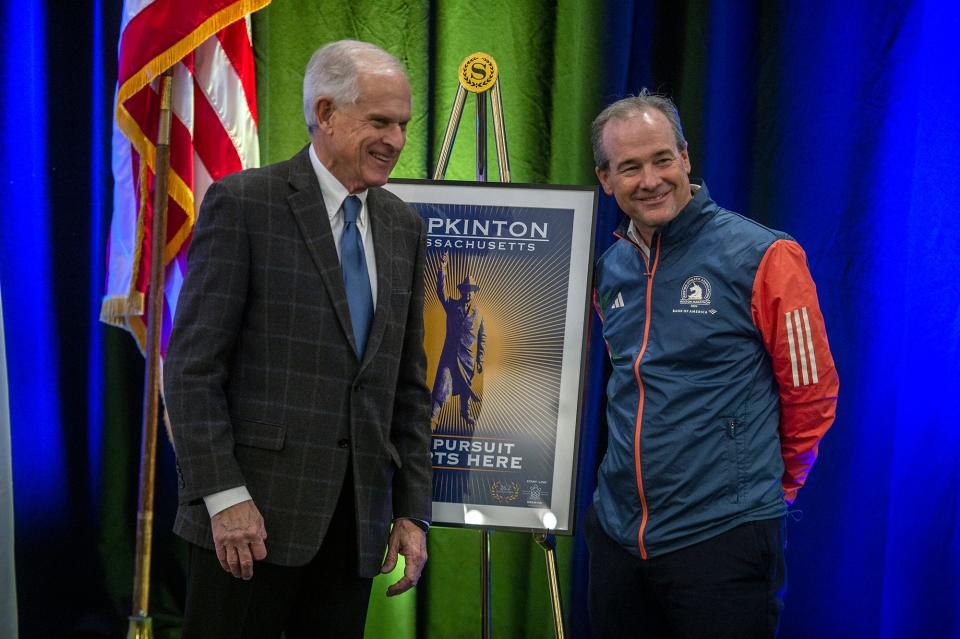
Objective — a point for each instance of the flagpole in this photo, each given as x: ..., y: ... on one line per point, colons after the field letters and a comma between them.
x: 140, y: 626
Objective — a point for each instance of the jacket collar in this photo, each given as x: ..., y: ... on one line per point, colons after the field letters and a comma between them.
x: 382, y: 221
x: 306, y: 204
x: 690, y: 219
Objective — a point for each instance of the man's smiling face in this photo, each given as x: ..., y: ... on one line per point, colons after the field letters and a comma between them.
x: 647, y: 173
x: 362, y: 141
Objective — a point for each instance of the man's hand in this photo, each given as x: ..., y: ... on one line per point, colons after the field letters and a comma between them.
x: 409, y: 540
x: 238, y: 536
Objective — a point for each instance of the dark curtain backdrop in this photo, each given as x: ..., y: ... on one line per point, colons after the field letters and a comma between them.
x: 834, y: 121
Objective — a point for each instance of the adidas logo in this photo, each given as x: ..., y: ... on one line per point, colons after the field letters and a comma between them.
x: 618, y: 303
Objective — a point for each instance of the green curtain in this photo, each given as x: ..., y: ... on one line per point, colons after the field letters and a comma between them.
x: 548, y: 54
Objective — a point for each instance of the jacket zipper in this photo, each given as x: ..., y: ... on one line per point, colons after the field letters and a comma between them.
x: 651, y: 270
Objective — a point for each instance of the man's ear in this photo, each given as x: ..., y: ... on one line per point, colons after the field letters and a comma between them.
x: 602, y: 175
x: 685, y: 156
x: 324, y: 110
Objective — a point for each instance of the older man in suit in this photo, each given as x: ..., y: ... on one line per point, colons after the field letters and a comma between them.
x: 295, y: 373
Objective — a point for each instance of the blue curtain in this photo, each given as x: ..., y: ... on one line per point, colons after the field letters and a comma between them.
x: 8, y: 581
x: 838, y: 123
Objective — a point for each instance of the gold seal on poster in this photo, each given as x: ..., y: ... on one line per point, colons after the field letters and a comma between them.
x: 478, y: 72
x: 502, y: 491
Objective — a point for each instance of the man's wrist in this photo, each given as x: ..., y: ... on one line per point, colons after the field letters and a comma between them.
x: 220, y: 501
x: 419, y: 523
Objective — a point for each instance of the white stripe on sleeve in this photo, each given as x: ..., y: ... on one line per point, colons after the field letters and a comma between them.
x: 813, y: 358
x: 793, y: 350
x: 800, y: 348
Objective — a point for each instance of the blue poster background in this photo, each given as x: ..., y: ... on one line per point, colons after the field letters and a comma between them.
x: 495, y: 301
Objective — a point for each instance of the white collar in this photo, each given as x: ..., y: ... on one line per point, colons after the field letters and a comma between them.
x: 634, y: 234
x: 334, y: 193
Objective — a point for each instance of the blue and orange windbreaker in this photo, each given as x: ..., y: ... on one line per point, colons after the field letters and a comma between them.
x: 722, y: 383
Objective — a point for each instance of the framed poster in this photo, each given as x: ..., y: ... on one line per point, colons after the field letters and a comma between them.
x: 506, y: 300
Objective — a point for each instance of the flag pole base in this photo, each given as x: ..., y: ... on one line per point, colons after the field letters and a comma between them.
x: 141, y: 627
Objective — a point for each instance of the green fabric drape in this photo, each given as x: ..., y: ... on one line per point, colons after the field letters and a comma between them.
x: 548, y: 52
x: 548, y: 56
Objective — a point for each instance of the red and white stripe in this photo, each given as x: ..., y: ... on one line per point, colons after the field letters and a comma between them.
x: 803, y: 357
x: 214, y: 133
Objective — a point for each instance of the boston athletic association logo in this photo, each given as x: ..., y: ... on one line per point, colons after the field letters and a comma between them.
x: 695, y: 292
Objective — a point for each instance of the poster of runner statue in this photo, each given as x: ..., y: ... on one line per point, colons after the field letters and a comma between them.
x: 506, y: 296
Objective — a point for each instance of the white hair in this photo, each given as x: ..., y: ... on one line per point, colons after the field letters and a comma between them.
x: 333, y: 72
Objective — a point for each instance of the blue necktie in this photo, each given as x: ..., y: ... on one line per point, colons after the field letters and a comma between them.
x: 356, y: 280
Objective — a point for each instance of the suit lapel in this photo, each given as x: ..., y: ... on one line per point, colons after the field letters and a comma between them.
x: 306, y: 203
x: 381, y: 220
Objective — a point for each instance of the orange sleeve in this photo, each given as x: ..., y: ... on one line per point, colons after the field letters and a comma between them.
x: 785, y: 309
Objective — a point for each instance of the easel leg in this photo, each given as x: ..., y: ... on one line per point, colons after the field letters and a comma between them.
x: 481, y: 137
x: 549, y: 545
x: 499, y: 132
x: 485, y: 616
x: 451, y: 134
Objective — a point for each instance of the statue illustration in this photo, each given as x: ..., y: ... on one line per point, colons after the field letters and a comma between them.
x: 463, y: 348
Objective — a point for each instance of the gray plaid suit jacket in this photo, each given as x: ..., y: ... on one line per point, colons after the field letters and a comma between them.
x: 262, y: 384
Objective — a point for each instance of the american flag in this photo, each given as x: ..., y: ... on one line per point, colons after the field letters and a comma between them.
x: 213, y: 133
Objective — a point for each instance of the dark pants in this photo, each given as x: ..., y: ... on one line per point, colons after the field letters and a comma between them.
x: 727, y: 587
x: 325, y: 598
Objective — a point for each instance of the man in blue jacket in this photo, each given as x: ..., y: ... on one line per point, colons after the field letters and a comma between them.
x: 722, y: 386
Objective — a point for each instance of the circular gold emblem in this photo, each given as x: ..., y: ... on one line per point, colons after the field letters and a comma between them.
x: 502, y: 491
x: 478, y: 72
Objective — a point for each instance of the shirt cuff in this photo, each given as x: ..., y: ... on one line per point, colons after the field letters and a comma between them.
x: 420, y: 523
x: 222, y: 500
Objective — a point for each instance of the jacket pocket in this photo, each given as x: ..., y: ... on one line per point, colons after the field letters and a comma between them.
x: 394, y: 454
x: 258, y: 434
x: 734, y: 438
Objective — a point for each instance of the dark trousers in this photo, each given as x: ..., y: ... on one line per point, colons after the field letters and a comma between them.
x: 727, y: 587
x: 325, y: 598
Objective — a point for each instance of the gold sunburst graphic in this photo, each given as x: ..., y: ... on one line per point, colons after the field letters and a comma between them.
x: 505, y: 278
x: 523, y: 320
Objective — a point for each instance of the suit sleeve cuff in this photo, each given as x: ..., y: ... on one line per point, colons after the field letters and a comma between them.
x: 225, y: 498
